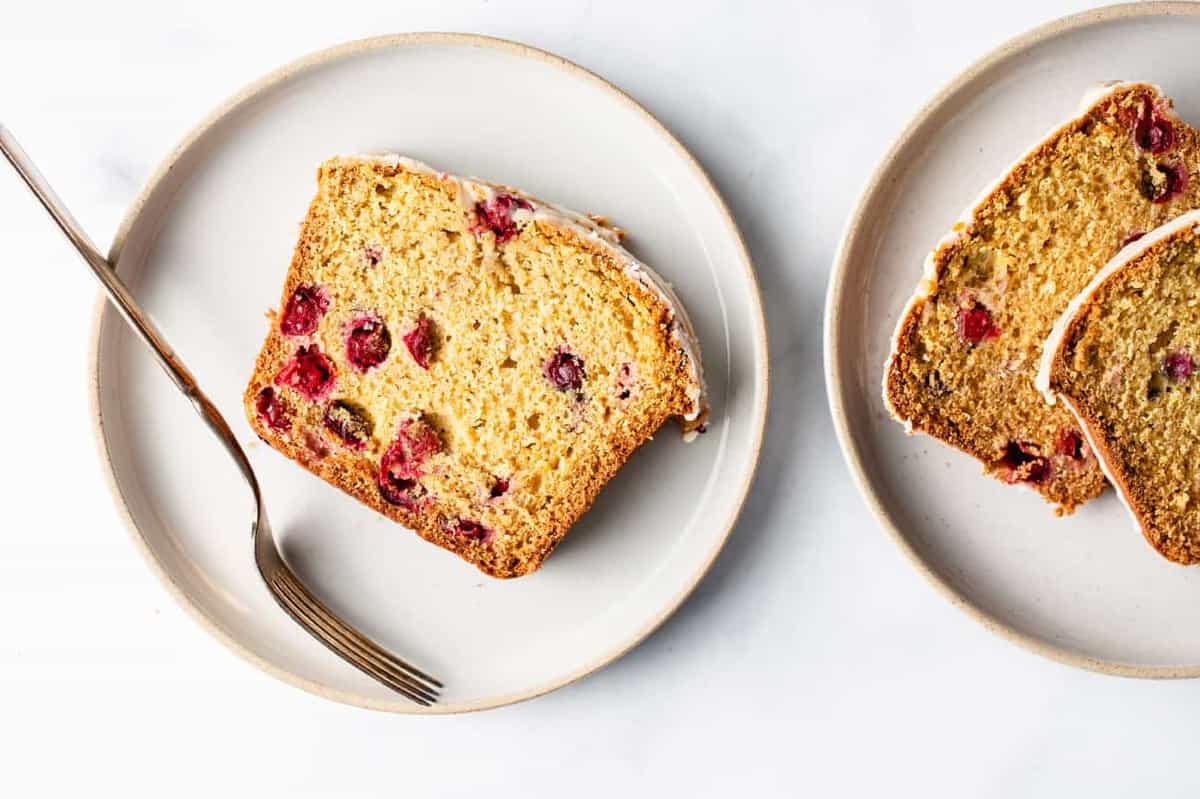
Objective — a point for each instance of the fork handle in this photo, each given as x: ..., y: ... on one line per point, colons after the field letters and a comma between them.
x: 115, y: 288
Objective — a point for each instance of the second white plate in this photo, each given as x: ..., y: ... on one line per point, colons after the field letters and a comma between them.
x: 205, y: 248
x: 1086, y: 589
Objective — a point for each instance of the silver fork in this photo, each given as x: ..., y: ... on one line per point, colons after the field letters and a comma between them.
x: 300, y: 603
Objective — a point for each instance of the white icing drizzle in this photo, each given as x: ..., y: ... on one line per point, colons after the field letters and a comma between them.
x: 1092, y: 97
x: 682, y: 333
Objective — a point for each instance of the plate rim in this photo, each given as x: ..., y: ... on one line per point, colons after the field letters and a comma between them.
x: 278, y: 76
x: 837, y: 388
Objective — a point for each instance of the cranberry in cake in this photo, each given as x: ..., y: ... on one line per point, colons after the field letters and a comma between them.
x: 1123, y: 359
x: 467, y: 360
x: 966, y: 350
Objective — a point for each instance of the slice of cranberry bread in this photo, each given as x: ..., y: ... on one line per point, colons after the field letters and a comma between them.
x: 1125, y: 359
x: 967, y: 347
x: 467, y: 360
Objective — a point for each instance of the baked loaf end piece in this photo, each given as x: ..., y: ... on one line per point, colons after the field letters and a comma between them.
x: 467, y: 360
x: 1125, y: 358
x: 967, y: 347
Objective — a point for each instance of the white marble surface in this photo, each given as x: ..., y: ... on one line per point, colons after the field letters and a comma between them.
x: 812, y: 659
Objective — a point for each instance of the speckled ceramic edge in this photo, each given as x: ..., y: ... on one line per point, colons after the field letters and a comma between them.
x: 268, y: 82
x: 838, y: 388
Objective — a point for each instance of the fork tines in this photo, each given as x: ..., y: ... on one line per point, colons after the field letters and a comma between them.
x: 350, y: 644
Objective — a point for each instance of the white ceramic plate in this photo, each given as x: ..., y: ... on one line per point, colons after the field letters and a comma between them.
x: 205, y: 248
x: 1086, y: 589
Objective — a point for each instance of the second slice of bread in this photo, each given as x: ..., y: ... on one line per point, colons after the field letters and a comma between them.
x: 1125, y: 359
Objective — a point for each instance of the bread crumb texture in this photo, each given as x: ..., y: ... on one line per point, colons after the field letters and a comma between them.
x: 966, y: 354
x: 461, y: 364
x: 1129, y: 365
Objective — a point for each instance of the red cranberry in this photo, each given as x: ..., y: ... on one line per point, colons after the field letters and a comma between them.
x: 1024, y: 463
x: 420, y: 343
x: 309, y: 372
x: 401, y: 491
x: 625, y: 381
x: 564, y: 370
x: 368, y: 343
x: 1152, y: 132
x: 1178, y: 366
x: 471, y: 530
x: 348, y: 422
x: 1038, y: 472
x: 496, y: 215
x: 1175, y: 179
x: 273, y: 410
x: 974, y: 325
x: 401, y: 465
x: 304, y: 310
x: 415, y: 443
x: 1131, y: 238
x: 499, y: 487
x: 1070, y: 443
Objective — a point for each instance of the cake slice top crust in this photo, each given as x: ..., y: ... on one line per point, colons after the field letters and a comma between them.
x: 1125, y: 358
x: 967, y: 346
